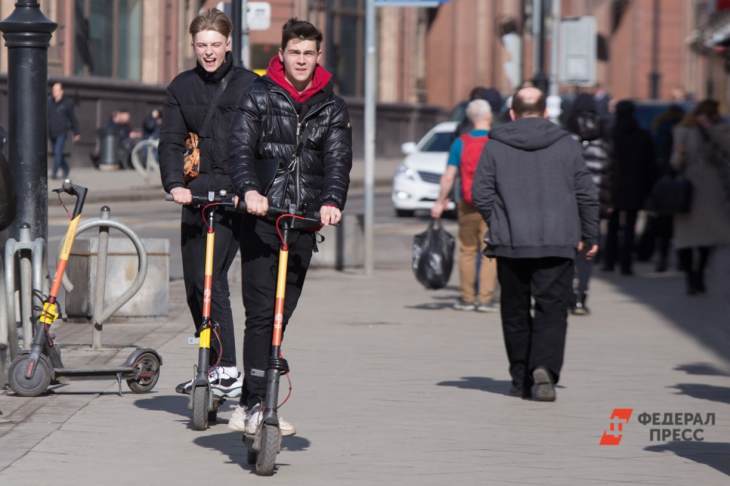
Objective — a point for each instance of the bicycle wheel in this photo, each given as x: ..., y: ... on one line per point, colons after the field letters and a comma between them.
x: 144, y: 157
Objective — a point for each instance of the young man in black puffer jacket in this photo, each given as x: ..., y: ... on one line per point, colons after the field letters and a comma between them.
x: 189, y: 99
x: 290, y: 145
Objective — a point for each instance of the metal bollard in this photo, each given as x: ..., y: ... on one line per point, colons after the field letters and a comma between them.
x: 108, y: 152
x: 101, y: 313
x: 31, y: 263
x: 101, y: 278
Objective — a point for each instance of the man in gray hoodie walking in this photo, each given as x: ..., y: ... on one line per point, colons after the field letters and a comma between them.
x: 536, y: 194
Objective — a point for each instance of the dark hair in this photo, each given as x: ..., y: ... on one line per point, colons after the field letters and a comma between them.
x: 708, y: 108
x: 214, y: 20
x: 299, y: 29
x: 521, y: 107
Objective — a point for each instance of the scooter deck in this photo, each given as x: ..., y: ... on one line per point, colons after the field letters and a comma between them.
x: 94, y: 371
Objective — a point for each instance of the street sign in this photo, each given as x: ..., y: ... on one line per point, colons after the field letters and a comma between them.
x: 578, y: 51
x: 258, y: 16
x: 409, y: 3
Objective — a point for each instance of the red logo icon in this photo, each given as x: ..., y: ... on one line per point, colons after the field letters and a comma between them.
x: 615, y: 432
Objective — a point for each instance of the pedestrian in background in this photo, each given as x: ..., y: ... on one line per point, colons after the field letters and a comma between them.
x: 697, y: 141
x: 632, y: 161
x: 463, y: 159
x: 536, y: 194
x: 587, y: 126
x: 151, y: 125
x: 198, y: 102
x: 61, y: 121
x: 660, y: 227
x: 491, y: 96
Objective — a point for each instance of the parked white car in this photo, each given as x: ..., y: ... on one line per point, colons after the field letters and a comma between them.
x: 416, y: 181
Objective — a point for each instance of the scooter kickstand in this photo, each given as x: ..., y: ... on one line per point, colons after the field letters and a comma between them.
x: 119, y: 384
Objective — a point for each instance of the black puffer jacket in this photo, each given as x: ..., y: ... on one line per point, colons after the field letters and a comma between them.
x: 188, y: 98
x: 264, y: 155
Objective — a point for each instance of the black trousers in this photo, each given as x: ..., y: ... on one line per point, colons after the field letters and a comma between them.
x: 625, y: 221
x: 534, y: 340
x: 193, y: 236
x: 260, y: 259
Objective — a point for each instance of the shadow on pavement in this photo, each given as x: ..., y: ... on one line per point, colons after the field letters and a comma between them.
x: 230, y: 444
x: 704, y: 392
x: 705, y: 369
x: 703, y: 317
x: 713, y: 454
x: 175, y: 404
x: 482, y: 383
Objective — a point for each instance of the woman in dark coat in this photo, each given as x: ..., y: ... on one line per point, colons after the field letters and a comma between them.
x: 631, y: 178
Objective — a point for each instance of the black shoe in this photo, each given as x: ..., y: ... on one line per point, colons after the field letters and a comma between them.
x: 627, y: 271
x: 661, y: 266
x: 607, y: 268
x: 579, y: 307
x: 516, y: 391
x: 691, y: 280
x: 543, y: 389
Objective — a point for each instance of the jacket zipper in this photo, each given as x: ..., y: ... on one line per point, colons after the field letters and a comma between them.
x: 300, y: 126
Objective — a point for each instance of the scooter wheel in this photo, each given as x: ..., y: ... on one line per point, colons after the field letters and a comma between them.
x: 200, y: 408
x: 147, y: 367
x: 36, y: 384
x: 270, y: 446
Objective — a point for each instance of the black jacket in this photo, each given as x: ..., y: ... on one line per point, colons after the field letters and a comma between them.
x: 632, y: 167
x: 535, y: 192
x: 188, y: 98
x: 61, y: 117
x: 264, y: 153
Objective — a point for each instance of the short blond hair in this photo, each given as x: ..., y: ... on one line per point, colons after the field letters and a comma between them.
x: 478, y: 109
x: 214, y: 20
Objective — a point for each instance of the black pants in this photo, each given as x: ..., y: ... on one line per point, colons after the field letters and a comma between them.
x: 625, y: 221
x: 534, y: 340
x: 193, y: 236
x: 260, y: 257
x: 693, y: 262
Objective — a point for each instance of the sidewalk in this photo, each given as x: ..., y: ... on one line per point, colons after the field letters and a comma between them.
x: 128, y: 185
x: 392, y: 387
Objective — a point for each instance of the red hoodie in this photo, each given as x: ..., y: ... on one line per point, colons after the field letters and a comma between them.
x: 321, y: 77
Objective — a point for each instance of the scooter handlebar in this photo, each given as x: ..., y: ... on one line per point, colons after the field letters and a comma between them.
x: 79, y: 192
x: 222, y: 198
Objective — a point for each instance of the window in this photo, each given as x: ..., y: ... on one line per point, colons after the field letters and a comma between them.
x: 108, y: 38
x: 438, y: 142
x: 344, y: 44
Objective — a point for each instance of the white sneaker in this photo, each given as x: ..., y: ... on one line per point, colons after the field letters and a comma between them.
x: 186, y: 386
x: 226, y: 381
x: 253, y: 420
x: 237, y: 421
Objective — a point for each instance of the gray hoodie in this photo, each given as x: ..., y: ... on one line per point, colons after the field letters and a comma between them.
x: 535, y: 192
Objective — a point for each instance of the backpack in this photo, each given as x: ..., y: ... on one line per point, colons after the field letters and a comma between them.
x: 470, y: 153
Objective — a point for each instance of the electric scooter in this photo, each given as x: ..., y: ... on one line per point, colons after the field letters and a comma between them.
x: 203, y: 402
x: 264, y: 446
x: 31, y: 372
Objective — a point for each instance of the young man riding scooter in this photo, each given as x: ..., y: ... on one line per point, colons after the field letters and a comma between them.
x: 290, y: 148
x: 195, y: 122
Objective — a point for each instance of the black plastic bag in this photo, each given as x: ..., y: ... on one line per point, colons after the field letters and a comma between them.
x: 432, y: 256
x: 7, y: 195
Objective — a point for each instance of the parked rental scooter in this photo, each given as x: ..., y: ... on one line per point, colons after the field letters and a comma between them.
x: 264, y: 446
x: 32, y: 371
x: 204, y: 401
